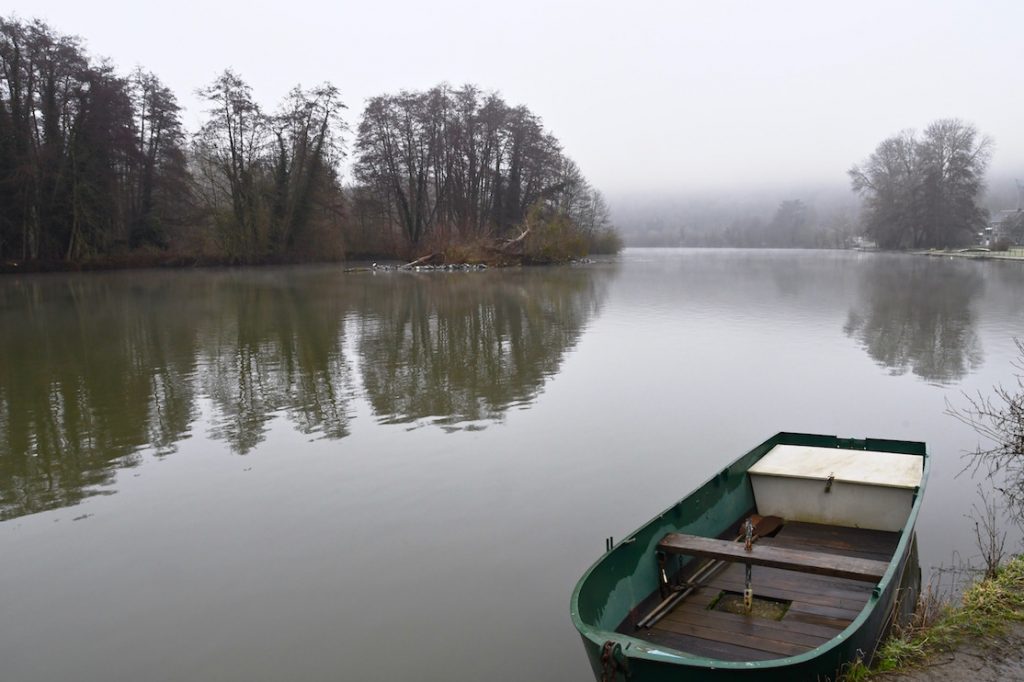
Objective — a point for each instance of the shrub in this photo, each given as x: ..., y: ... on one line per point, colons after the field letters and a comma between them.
x: 605, y: 241
x: 553, y: 237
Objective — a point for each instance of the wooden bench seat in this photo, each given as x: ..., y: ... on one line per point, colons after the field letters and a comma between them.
x: 804, y: 561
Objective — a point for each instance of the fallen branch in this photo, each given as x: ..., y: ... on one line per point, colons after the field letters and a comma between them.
x: 517, y: 240
x: 507, y: 246
x: 419, y: 261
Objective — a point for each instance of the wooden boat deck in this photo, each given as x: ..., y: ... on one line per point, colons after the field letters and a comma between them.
x: 820, y: 606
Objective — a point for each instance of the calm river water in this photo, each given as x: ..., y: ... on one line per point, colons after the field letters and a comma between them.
x: 302, y: 474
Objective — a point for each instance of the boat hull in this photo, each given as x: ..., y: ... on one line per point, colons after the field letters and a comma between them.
x: 610, y: 589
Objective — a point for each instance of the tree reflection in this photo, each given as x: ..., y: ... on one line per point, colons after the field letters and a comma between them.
x: 917, y: 315
x: 450, y: 349
x: 99, y: 368
x: 277, y: 348
x: 89, y: 376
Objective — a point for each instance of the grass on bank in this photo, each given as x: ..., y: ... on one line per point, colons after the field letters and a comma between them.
x: 985, y: 611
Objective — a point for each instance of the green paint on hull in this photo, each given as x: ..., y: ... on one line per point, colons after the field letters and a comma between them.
x: 625, y: 575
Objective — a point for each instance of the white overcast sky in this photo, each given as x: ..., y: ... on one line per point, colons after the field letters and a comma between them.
x: 646, y: 96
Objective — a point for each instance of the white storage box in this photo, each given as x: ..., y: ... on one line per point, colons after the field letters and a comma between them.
x: 858, y: 488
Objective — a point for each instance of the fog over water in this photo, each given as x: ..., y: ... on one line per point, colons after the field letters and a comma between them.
x: 662, y: 97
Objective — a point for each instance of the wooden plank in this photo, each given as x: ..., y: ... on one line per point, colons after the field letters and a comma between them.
x: 782, y: 630
x: 795, y: 582
x: 769, y: 646
x: 729, y: 625
x: 859, y: 536
x: 818, y: 563
x: 694, y: 609
x: 847, y: 603
x: 841, y: 539
x: 799, y: 609
x: 695, y: 646
x: 839, y: 606
x: 804, y: 582
x: 796, y: 615
x: 811, y: 545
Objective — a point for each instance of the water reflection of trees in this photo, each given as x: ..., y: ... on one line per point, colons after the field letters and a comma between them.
x: 88, y: 376
x: 917, y: 314
x: 276, y: 348
x: 97, y: 368
x: 449, y: 349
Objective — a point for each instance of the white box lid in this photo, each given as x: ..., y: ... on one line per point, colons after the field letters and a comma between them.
x: 867, y: 467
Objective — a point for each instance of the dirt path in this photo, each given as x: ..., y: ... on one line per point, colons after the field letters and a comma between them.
x: 990, y: 661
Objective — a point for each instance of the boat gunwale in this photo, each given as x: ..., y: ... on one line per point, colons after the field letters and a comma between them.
x: 637, y: 648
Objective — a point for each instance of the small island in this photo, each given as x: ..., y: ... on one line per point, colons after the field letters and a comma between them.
x: 98, y: 170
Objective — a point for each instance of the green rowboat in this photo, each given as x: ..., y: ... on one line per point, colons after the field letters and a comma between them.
x: 789, y: 564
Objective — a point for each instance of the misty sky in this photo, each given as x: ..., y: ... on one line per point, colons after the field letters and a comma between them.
x: 652, y: 97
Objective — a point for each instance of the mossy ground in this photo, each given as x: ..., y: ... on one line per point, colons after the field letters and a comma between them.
x: 987, y: 611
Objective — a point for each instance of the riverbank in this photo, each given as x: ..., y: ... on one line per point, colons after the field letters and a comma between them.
x: 981, y: 639
x: 1016, y: 253
x: 146, y: 260
x: 550, y: 244
x: 994, y: 660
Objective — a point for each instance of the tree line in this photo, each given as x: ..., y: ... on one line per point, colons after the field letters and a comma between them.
x: 98, y: 165
x: 811, y: 219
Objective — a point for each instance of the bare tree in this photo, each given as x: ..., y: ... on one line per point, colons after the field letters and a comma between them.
x: 230, y: 146
x: 999, y: 420
x: 989, y: 535
x: 461, y: 163
x: 161, y: 187
x: 308, y: 133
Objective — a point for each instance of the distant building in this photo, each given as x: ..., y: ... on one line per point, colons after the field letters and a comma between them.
x: 1006, y: 225
x: 862, y: 243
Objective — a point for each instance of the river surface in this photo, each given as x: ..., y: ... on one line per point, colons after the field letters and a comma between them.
x: 306, y: 474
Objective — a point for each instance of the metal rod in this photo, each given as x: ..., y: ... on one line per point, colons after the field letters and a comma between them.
x: 667, y: 604
x: 748, y: 593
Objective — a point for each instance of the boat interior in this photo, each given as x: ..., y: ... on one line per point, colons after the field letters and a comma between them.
x: 823, y: 532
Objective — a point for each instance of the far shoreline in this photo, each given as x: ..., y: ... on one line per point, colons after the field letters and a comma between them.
x: 180, y: 263
x: 359, y: 262
x: 1012, y: 254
